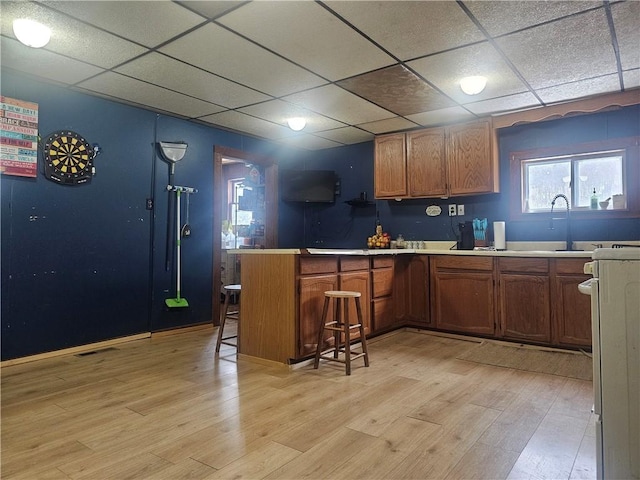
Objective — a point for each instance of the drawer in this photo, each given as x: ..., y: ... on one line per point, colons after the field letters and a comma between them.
x: 381, y: 282
x: 348, y: 264
x: 571, y: 265
x: 523, y: 265
x: 382, y: 262
x: 320, y: 264
x: 462, y: 262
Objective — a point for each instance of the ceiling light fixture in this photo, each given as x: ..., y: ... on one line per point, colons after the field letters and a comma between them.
x: 296, y: 123
x: 473, y: 85
x: 31, y: 33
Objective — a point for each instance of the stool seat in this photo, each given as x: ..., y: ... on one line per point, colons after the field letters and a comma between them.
x: 341, y: 326
x: 229, y: 290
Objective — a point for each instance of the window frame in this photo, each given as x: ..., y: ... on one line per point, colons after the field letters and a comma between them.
x: 630, y: 168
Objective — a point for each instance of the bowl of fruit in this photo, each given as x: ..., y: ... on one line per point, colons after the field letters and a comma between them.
x: 379, y: 240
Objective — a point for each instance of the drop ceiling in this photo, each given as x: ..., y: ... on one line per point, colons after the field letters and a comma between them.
x: 353, y: 69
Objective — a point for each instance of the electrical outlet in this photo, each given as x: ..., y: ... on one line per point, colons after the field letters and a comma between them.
x: 460, y: 210
x: 452, y: 210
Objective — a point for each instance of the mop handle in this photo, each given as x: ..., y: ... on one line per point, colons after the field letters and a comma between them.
x: 178, y: 243
x: 178, y: 188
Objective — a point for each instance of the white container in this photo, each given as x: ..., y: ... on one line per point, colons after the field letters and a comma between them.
x: 618, y: 202
x: 499, y: 239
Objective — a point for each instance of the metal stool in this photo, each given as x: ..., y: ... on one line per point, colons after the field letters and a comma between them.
x: 341, y: 327
x: 229, y: 290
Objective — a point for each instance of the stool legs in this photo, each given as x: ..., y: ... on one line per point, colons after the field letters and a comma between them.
x: 223, y: 319
x: 341, y: 326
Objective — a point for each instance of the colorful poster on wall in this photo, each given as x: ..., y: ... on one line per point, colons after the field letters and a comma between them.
x: 18, y: 137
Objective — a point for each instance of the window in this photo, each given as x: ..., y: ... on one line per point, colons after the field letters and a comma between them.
x: 609, y: 167
x: 575, y: 176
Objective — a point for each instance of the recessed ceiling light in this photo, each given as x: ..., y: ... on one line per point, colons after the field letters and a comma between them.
x: 296, y: 123
x: 473, y: 85
x: 31, y: 33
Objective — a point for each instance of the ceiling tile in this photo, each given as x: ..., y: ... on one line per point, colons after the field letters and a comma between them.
x: 278, y: 111
x: 170, y: 73
x: 310, y: 142
x: 241, y: 61
x: 411, y: 29
x: 308, y: 35
x: 389, y: 125
x: 500, y: 17
x: 441, y: 117
x: 579, y: 89
x: 560, y: 52
x: 68, y: 37
x: 631, y: 79
x: 445, y: 70
x: 337, y: 103
x: 43, y: 63
x: 626, y: 19
x: 504, y: 104
x: 136, y: 91
x: 246, y: 123
x: 160, y: 21
x: 210, y: 9
x: 346, y: 135
x: 398, y: 90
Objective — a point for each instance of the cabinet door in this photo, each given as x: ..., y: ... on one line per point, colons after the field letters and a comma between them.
x: 358, y: 282
x: 311, y: 300
x: 411, y: 289
x: 472, y: 167
x: 462, y: 294
x: 426, y: 170
x: 390, y: 166
x: 525, y: 311
x: 572, y: 312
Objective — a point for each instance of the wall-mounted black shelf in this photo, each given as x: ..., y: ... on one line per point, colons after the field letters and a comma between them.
x: 356, y: 202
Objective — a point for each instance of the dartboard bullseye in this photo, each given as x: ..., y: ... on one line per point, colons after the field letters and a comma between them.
x: 68, y: 158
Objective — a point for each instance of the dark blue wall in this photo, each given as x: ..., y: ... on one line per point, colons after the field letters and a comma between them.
x: 92, y: 267
x: 341, y: 226
x: 82, y: 264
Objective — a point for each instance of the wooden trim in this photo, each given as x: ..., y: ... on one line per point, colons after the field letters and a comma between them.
x: 175, y: 331
x: 75, y: 350
x: 578, y: 107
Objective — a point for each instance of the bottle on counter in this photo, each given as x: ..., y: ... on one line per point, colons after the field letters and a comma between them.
x: 594, y: 200
x: 400, y: 241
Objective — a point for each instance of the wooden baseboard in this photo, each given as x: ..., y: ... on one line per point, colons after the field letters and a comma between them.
x: 74, y: 350
x: 174, y: 331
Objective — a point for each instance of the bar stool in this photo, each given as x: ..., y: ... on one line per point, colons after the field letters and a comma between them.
x: 341, y: 327
x: 229, y: 290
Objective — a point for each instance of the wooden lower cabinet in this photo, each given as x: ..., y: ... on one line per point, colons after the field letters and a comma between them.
x: 524, y: 299
x: 383, y: 312
x: 411, y: 289
x: 358, y: 282
x: 571, y: 310
x: 311, y: 300
x: 463, y: 294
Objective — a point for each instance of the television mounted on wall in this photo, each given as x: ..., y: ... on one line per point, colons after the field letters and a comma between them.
x: 308, y: 186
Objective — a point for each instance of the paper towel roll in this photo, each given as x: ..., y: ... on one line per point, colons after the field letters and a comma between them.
x: 499, y: 241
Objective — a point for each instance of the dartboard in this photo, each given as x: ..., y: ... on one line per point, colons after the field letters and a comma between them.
x: 68, y: 158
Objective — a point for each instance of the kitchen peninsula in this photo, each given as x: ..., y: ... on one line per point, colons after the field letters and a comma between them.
x: 523, y: 295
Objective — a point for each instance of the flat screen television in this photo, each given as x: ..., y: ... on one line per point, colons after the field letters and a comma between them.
x: 309, y: 186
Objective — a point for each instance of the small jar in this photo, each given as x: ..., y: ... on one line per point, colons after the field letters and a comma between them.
x: 400, y: 241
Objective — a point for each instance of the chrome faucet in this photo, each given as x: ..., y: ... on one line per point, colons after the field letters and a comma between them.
x: 553, y: 203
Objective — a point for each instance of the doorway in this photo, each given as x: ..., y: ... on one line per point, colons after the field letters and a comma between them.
x: 257, y: 190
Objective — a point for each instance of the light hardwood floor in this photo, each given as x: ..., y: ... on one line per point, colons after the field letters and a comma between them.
x: 167, y: 408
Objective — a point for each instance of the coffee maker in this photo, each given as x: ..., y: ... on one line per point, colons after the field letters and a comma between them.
x: 466, y: 241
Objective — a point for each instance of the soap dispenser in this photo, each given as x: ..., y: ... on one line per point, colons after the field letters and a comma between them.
x: 594, y: 200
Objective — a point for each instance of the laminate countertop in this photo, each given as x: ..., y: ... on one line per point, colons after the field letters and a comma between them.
x: 514, y: 249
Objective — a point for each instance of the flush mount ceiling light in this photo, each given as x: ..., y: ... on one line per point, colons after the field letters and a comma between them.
x: 31, y: 33
x: 296, y: 123
x: 473, y: 85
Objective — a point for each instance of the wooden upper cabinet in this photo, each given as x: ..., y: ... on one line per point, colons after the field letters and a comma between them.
x: 426, y: 163
x: 390, y: 166
x: 472, y: 163
x: 437, y: 162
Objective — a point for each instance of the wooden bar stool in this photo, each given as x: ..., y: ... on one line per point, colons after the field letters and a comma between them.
x: 341, y: 326
x: 229, y: 291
